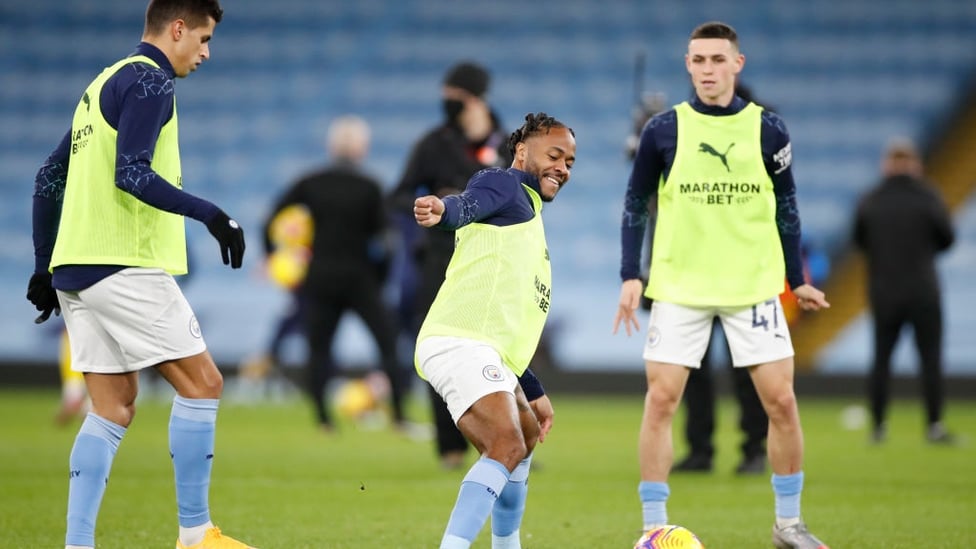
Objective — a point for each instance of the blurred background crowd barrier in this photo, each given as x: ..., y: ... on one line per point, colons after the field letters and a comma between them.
x: 846, y: 77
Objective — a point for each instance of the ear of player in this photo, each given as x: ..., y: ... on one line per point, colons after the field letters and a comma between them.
x: 230, y: 236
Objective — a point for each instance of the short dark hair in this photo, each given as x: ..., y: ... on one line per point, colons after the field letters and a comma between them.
x: 194, y: 12
x: 716, y: 29
x: 535, y: 124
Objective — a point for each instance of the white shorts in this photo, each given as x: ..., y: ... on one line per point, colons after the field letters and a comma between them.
x: 128, y: 321
x: 677, y: 334
x: 462, y: 371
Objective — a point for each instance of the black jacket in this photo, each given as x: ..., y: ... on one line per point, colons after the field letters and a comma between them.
x: 350, y: 222
x: 441, y: 163
x: 901, y: 225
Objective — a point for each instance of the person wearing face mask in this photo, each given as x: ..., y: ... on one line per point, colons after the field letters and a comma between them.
x: 479, y: 336
x: 469, y: 138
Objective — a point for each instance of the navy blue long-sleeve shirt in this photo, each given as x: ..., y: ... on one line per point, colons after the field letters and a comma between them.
x: 655, y: 156
x: 137, y: 101
x: 495, y: 197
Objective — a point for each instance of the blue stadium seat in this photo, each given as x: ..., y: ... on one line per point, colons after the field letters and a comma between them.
x: 845, y: 77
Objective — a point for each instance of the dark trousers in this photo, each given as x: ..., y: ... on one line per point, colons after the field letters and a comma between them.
x: 699, y: 399
x: 448, y: 437
x: 292, y: 322
x: 326, y: 302
x: 924, y: 315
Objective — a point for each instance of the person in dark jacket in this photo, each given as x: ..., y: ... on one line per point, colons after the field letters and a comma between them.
x: 345, y: 271
x: 901, y: 226
x: 469, y: 139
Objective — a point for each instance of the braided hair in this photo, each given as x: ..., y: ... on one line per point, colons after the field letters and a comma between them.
x: 535, y: 124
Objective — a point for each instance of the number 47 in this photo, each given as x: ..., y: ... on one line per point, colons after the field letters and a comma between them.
x: 759, y: 319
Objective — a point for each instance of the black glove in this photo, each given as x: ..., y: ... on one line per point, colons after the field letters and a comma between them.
x: 43, y: 296
x: 231, y: 238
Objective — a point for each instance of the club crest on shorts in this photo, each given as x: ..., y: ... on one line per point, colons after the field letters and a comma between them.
x: 492, y: 373
x: 653, y: 336
x: 194, y: 327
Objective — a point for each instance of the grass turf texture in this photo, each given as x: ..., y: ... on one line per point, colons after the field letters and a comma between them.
x: 279, y: 483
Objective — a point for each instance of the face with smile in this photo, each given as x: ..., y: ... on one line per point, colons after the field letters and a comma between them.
x: 549, y: 156
x: 190, y: 46
x: 714, y: 64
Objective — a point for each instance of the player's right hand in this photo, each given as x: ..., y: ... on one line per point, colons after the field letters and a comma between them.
x: 630, y: 294
x: 41, y: 293
x: 427, y: 210
x: 230, y: 236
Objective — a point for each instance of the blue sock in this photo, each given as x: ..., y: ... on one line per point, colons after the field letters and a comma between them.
x: 654, y: 502
x: 506, y: 515
x: 89, y: 464
x: 480, y: 488
x: 787, y: 489
x: 191, y: 445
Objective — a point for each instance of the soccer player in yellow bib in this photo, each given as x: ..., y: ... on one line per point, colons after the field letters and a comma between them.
x: 477, y: 339
x: 727, y: 234
x: 109, y: 234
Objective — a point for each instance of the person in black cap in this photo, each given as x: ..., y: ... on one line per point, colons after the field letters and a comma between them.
x: 469, y: 139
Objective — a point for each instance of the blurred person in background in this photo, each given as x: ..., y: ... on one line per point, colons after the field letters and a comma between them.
x: 477, y: 339
x: 726, y: 237
x: 470, y: 138
x: 109, y: 234
x: 901, y: 226
x: 75, y: 403
x: 350, y: 249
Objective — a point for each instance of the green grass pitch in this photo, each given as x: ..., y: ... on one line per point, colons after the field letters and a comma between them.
x: 279, y: 483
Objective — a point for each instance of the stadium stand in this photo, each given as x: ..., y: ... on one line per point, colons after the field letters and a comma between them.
x: 846, y: 76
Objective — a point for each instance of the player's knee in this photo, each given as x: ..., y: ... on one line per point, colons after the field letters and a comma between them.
x: 120, y: 414
x: 782, y: 407
x: 662, y: 401
x: 210, y: 385
x: 508, y: 449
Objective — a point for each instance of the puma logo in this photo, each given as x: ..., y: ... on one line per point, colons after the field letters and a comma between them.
x: 706, y: 148
x: 87, y: 101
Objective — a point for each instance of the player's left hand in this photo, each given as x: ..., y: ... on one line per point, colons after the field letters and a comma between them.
x: 630, y: 294
x: 542, y: 407
x: 810, y: 298
x: 42, y: 294
x: 230, y: 236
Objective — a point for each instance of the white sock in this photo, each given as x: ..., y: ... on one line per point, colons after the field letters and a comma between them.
x: 510, y: 541
x: 194, y: 534
x: 786, y: 522
x: 78, y: 547
x: 454, y: 542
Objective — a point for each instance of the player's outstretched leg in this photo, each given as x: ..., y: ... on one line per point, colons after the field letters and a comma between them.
x: 506, y: 515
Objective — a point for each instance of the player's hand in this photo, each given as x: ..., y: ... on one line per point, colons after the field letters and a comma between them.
x: 427, y: 210
x: 41, y: 293
x: 230, y: 236
x: 542, y: 407
x: 810, y: 298
x: 630, y: 294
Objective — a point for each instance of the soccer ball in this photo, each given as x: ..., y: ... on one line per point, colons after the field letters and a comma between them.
x: 292, y: 226
x: 287, y: 267
x: 355, y: 398
x: 668, y: 537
